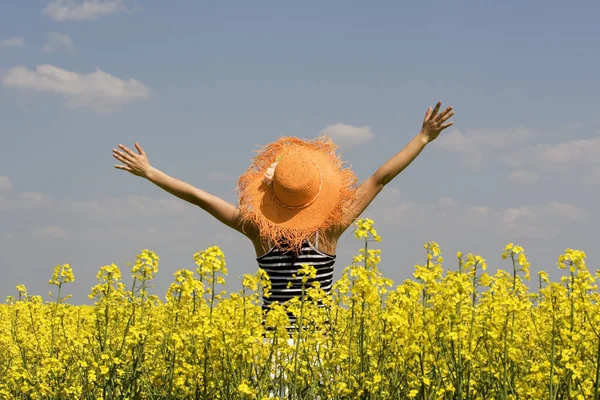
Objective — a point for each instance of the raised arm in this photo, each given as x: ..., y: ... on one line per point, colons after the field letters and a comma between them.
x: 139, y: 165
x: 433, y: 124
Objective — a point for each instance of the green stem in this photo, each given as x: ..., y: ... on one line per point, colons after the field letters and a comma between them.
x: 471, y: 328
x: 597, y: 385
x: 552, y: 348
x: 298, y: 340
x: 504, y: 362
x: 53, y: 317
x: 172, y: 361
x: 361, y: 340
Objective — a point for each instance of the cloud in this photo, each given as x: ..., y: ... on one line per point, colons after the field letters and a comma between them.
x: 123, y: 208
x: 541, y: 221
x: 574, y: 151
x: 5, y: 184
x: 456, y: 142
x: 444, y: 206
x: 575, y: 160
x: 474, y: 144
x: 348, y: 135
x: 12, y: 42
x: 24, y: 201
x: 57, y: 41
x: 94, y: 232
x: 522, y: 176
x: 71, y: 10
x: 6, y: 236
x: 97, y: 91
x: 451, y: 220
x: 103, y: 209
x: 54, y: 232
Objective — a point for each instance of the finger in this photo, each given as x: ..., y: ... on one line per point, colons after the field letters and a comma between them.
x: 447, y: 116
x: 128, y: 151
x: 436, y: 109
x: 446, y: 125
x: 123, y: 167
x: 427, y: 114
x: 139, y: 149
x: 121, y: 158
x: 123, y: 155
x: 445, y: 112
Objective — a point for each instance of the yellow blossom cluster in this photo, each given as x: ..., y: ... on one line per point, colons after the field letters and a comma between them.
x: 458, y: 333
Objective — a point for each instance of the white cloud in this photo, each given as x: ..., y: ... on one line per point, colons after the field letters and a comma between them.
x: 130, y: 206
x: 65, y: 10
x: 473, y: 144
x: 91, y: 233
x: 52, y: 231
x: 6, y: 236
x: 522, y: 176
x: 574, y: 151
x: 456, y: 142
x: 104, y: 209
x: 12, y: 42
x: 98, y: 91
x: 5, y: 184
x: 348, y: 135
x: 575, y: 160
x: 593, y: 177
x: 57, y: 41
x: 539, y: 222
x: 24, y: 201
x: 449, y: 219
x: 567, y: 212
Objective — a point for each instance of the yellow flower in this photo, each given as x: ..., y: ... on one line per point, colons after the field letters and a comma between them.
x: 245, y: 389
x: 367, y: 337
x: 250, y: 282
x: 22, y: 290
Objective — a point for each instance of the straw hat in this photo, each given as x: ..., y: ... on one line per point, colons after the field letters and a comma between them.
x: 294, y: 188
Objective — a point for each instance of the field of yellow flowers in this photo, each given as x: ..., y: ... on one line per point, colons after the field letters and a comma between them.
x: 446, y: 334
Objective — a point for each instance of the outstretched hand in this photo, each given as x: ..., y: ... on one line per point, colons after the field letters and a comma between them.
x: 137, y: 164
x: 433, y: 123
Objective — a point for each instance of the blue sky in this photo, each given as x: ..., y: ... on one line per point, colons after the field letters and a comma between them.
x: 201, y: 85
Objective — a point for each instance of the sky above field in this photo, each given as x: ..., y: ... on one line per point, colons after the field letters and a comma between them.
x: 201, y: 85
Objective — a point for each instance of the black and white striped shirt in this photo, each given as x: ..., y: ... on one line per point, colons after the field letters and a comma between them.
x: 280, y: 265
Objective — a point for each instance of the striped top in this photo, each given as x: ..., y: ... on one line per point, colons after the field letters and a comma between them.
x: 280, y: 265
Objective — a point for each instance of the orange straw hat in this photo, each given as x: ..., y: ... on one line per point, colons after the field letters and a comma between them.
x: 295, y: 188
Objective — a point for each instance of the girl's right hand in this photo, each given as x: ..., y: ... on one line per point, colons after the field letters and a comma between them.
x: 137, y: 164
x: 434, y: 123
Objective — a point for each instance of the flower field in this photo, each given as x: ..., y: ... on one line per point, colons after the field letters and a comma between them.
x: 449, y: 333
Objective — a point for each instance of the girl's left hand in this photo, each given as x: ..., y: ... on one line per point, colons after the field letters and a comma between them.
x: 433, y: 123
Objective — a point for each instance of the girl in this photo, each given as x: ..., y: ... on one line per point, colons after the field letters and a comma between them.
x: 295, y: 200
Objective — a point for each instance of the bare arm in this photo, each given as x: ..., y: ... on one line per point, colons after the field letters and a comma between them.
x: 433, y: 124
x: 139, y: 165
